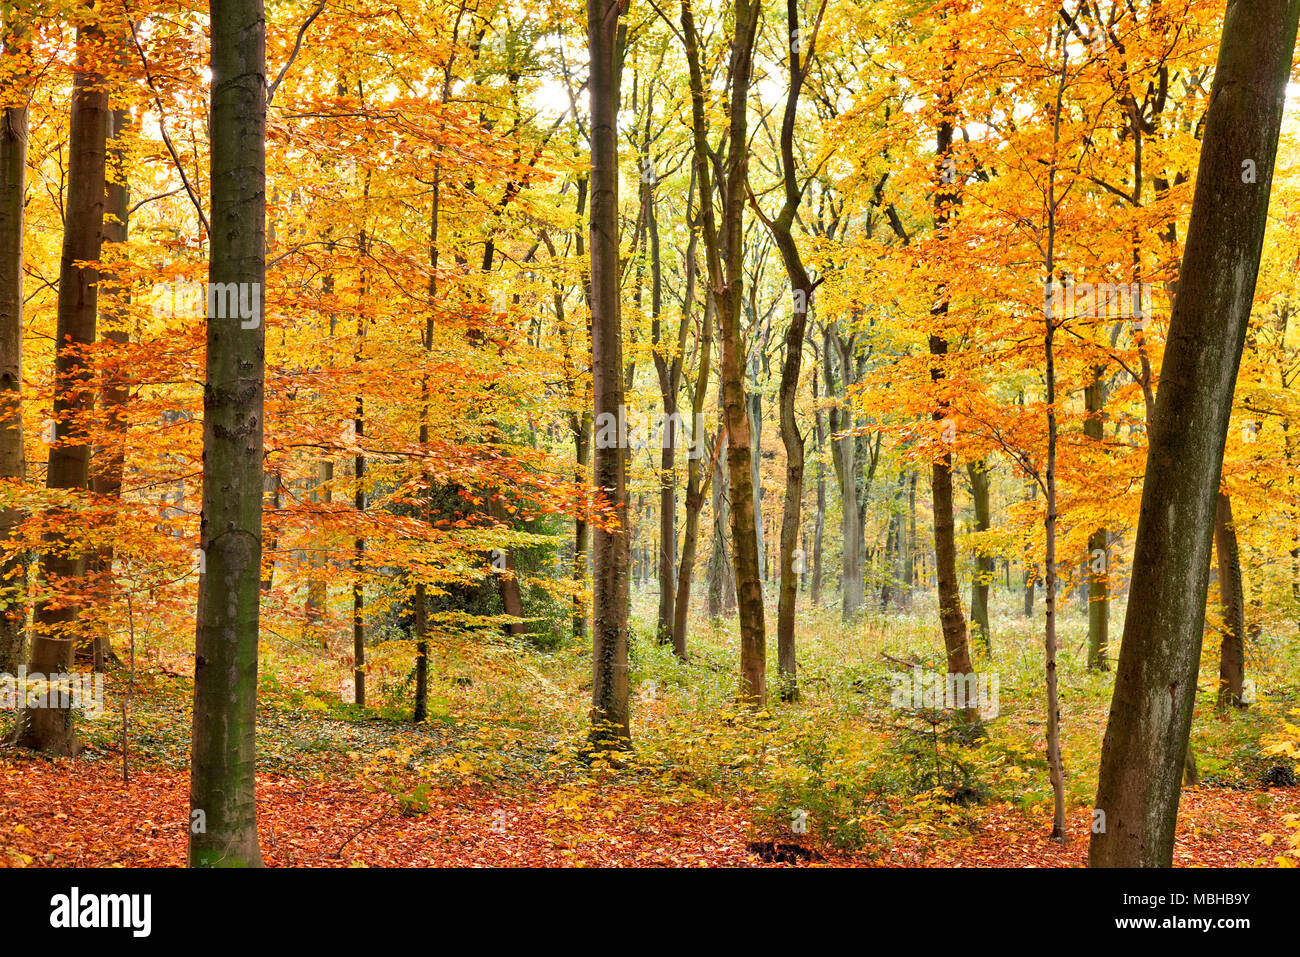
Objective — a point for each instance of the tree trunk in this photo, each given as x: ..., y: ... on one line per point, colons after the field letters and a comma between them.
x: 581, y: 530
x: 791, y: 515
x: 223, y: 829
x: 1098, y: 600
x: 1151, y: 711
x: 696, y: 483
x: 844, y: 458
x: 1232, y: 651
x: 421, y: 709
x: 63, y: 564
x: 754, y: 408
x: 891, y: 558
x: 983, y: 577
x: 317, y: 587
x: 722, y: 577
x: 1055, y: 764
x: 512, y: 598
x: 13, y: 463
x: 725, y: 256
x: 819, y: 524
x: 952, y: 621
x: 1098, y: 563
x: 106, y: 479
x: 801, y: 291
x: 420, y: 600
x: 359, y: 496
x: 909, y: 555
x: 669, y: 372
x: 610, y: 724
x: 951, y: 618
x: 580, y: 424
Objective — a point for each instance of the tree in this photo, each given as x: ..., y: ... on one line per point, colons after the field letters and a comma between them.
x: 1232, y: 648
x: 946, y: 199
x: 801, y: 292
x: 610, y: 724
x: 223, y: 827
x: 114, y: 396
x: 1052, y: 322
x: 63, y: 561
x: 697, y: 483
x: 1151, y: 711
x: 724, y: 255
x: 983, y: 574
x: 13, y: 464
x: 1098, y: 561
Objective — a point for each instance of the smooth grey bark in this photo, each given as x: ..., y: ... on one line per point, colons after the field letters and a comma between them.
x: 1098, y: 600
x: 1155, y: 684
x: 223, y: 755
x: 891, y: 559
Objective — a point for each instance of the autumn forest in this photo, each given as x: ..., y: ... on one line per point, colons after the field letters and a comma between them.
x: 725, y: 433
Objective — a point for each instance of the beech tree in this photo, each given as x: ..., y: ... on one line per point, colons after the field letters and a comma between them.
x: 1155, y: 683
x: 223, y: 811
x: 13, y: 460
x: 801, y: 292
x: 724, y: 256
x: 63, y: 560
x: 610, y: 549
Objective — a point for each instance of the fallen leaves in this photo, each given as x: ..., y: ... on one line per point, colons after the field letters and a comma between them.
x: 71, y: 813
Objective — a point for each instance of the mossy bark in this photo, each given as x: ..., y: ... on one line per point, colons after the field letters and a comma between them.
x: 223, y: 825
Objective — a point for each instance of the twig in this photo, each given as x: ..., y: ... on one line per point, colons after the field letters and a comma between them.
x: 162, y: 128
x: 364, y: 828
x: 293, y: 54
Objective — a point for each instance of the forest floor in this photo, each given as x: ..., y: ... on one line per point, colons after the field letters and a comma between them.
x: 71, y: 814
x: 498, y: 774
